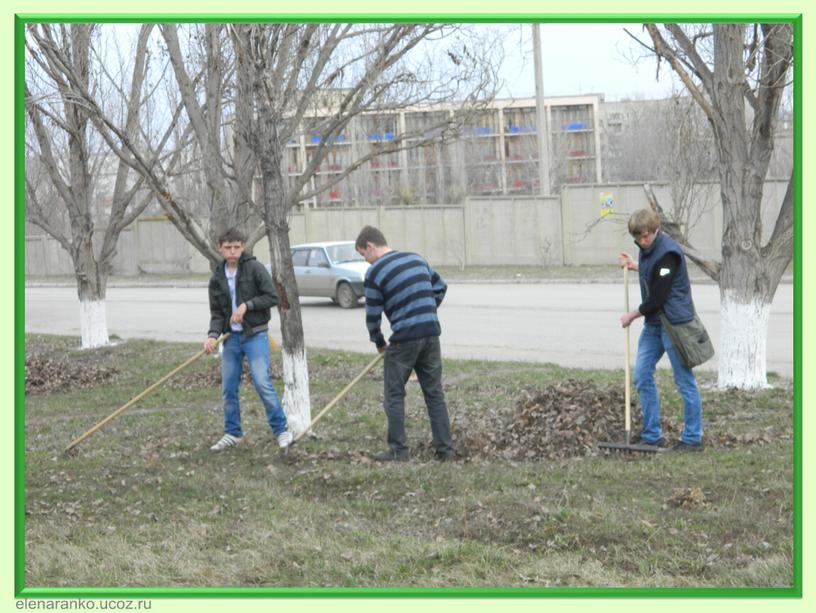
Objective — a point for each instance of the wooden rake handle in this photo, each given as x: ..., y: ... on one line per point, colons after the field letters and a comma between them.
x: 136, y: 399
x: 345, y: 391
x: 627, y: 375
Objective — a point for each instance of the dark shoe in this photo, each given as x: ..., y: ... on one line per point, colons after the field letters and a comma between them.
x: 390, y: 455
x: 444, y: 457
x: 659, y: 443
x: 684, y: 447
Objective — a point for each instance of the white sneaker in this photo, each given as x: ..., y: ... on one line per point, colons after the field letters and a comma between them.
x: 285, y: 439
x: 228, y: 440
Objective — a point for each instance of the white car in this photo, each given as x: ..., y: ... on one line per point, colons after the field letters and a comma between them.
x: 330, y: 269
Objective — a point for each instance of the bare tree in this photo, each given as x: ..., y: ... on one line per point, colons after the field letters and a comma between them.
x: 215, y: 110
x: 320, y: 78
x: 737, y: 74
x: 65, y: 203
x: 151, y: 153
x: 246, y: 101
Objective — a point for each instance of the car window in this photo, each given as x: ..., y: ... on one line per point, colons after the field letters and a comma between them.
x: 299, y: 257
x: 344, y: 253
x: 317, y: 257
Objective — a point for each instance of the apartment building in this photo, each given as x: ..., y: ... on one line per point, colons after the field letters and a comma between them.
x: 496, y: 153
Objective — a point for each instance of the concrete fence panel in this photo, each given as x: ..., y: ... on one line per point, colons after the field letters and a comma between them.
x: 434, y: 232
x: 521, y: 231
x: 161, y: 249
x: 571, y: 230
x: 592, y: 238
x: 297, y: 230
x: 481, y: 228
x: 35, y: 256
x: 125, y: 262
x: 46, y: 257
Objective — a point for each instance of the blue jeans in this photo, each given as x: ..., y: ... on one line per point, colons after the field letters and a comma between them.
x: 256, y: 349
x: 424, y: 356
x: 653, y: 342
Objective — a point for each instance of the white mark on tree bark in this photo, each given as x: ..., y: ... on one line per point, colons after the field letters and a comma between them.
x: 743, y: 343
x: 93, y: 325
x: 296, y: 401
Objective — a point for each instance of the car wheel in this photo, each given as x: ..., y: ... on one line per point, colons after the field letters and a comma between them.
x: 346, y: 297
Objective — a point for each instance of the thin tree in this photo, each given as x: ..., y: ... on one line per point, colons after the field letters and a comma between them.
x: 737, y: 74
x: 320, y: 78
x: 274, y: 84
x: 63, y: 153
x: 155, y: 154
x: 204, y: 76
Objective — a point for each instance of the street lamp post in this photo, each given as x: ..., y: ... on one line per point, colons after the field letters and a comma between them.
x: 541, y: 118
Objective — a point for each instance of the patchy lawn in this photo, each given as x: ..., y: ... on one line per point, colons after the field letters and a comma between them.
x: 530, y: 503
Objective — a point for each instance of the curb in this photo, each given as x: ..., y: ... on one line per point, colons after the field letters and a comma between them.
x: 454, y: 281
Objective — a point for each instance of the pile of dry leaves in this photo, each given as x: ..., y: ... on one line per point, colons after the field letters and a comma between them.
x: 45, y: 375
x: 565, y: 419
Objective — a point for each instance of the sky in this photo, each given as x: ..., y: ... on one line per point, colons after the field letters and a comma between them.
x: 583, y: 59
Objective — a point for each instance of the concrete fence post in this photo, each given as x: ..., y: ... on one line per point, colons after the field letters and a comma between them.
x: 465, y: 234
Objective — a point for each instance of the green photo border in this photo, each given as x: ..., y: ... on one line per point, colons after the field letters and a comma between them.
x: 21, y: 591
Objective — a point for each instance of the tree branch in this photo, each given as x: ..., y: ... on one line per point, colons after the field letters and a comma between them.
x: 690, y: 52
x: 665, y: 51
x: 47, y: 155
x: 779, y: 248
x: 36, y: 214
x: 708, y: 266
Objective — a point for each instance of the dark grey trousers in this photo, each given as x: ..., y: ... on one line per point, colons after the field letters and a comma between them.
x: 425, y: 357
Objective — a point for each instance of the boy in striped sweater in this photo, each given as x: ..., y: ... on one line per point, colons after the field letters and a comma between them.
x: 404, y: 287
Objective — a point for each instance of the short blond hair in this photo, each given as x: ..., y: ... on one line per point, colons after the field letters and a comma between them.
x: 643, y: 220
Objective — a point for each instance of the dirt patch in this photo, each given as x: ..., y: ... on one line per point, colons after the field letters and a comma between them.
x: 45, y: 375
x: 687, y: 498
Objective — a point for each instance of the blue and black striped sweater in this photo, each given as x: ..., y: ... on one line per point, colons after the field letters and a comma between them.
x: 404, y: 286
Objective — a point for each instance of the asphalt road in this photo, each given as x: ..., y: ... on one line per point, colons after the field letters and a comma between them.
x: 571, y: 324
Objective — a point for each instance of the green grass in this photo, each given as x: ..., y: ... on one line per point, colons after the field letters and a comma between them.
x: 145, y: 503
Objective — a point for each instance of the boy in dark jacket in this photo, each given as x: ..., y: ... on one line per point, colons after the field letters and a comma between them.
x: 241, y: 296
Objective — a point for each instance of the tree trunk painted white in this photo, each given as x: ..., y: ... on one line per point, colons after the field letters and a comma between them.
x: 296, y: 390
x: 743, y: 342
x: 93, y: 325
x: 296, y: 399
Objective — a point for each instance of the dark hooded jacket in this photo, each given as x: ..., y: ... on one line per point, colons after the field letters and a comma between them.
x: 253, y: 286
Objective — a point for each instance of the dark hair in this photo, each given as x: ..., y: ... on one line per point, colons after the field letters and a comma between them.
x: 372, y: 235
x: 231, y: 235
